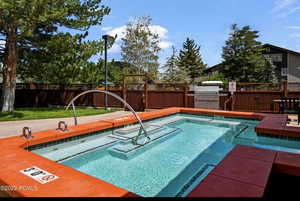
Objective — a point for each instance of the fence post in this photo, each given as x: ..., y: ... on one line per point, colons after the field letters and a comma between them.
x: 124, y: 91
x: 185, y: 95
x: 146, y: 92
x: 233, y: 101
x: 285, y: 88
x: 36, y: 99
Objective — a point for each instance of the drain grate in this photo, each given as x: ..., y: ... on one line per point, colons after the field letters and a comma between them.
x: 193, y: 179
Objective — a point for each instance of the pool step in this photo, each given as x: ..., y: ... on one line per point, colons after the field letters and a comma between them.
x: 128, y: 136
x: 127, y: 150
x: 135, y: 128
x: 59, y: 153
x: 129, y: 132
x: 118, y: 137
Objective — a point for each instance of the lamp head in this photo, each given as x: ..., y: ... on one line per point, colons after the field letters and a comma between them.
x: 107, y: 37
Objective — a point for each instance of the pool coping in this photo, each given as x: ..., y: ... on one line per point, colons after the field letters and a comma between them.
x: 71, y: 182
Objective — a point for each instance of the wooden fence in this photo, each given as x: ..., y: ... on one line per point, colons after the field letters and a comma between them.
x: 242, y: 100
x: 157, y: 99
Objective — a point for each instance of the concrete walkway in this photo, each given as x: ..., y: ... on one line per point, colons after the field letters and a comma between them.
x: 14, y: 128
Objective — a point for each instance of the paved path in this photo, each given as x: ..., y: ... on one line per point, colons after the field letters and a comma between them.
x: 14, y: 128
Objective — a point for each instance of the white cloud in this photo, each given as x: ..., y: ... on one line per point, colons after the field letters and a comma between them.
x: 106, y: 28
x: 120, y: 32
x: 293, y: 10
x: 116, y: 48
x: 284, y: 8
x: 293, y: 27
x: 159, y: 30
x: 165, y: 44
x: 288, y: 12
x: 295, y: 35
x: 282, y: 4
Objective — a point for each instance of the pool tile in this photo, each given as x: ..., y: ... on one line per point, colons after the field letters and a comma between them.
x: 244, y: 170
x: 254, y: 153
x: 216, y: 186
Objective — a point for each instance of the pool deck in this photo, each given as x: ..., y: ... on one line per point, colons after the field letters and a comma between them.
x: 14, y: 128
x: 242, y: 173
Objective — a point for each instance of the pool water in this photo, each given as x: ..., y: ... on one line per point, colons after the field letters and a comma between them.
x: 172, y: 167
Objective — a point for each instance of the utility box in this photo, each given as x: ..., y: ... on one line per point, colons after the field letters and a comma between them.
x: 207, y: 96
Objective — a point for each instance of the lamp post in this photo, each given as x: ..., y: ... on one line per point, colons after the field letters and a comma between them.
x: 106, y: 38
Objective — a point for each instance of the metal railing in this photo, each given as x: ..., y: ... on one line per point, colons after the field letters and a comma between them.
x: 64, y: 124
x: 142, y: 130
x: 26, y: 132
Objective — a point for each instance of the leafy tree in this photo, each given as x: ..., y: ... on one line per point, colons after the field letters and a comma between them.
x: 140, y: 46
x: 94, y: 73
x: 91, y: 73
x: 216, y: 77
x: 190, y: 61
x: 171, y: 67
x: 114, y: 73
x: 243, y: 57
x: 59, y: 61
x: 173, y: 74
x: 29, y: 24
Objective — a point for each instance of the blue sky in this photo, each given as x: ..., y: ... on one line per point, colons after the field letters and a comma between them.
x: 206, y: 21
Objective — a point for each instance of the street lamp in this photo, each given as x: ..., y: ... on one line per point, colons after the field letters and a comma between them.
x: 106, y: 38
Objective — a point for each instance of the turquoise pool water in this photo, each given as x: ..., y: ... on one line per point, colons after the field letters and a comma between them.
x: 173, y: 165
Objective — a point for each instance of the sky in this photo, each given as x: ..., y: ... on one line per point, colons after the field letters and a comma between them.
x: 206, y: 21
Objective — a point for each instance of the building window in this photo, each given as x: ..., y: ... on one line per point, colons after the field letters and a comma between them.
x: 274, y: 57
x: 284, y: 71
x: 268, y: 58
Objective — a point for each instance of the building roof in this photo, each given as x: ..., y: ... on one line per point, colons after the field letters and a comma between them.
x: 212, y: 68
x: 282, y: 49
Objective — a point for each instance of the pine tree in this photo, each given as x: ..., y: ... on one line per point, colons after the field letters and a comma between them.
x: 20, y: 20
x: 173, y: 74
x: 140, y: 47
x: 243, y: 57
x: 60, y: 61
x: 190, y: 61
x: 93, y: 73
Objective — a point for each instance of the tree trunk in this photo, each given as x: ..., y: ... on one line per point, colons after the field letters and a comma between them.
x: 9, y: 75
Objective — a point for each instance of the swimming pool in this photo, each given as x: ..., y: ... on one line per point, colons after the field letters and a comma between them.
x: 190, y: 147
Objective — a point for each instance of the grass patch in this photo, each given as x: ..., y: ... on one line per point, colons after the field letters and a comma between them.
x: 48, y: 113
